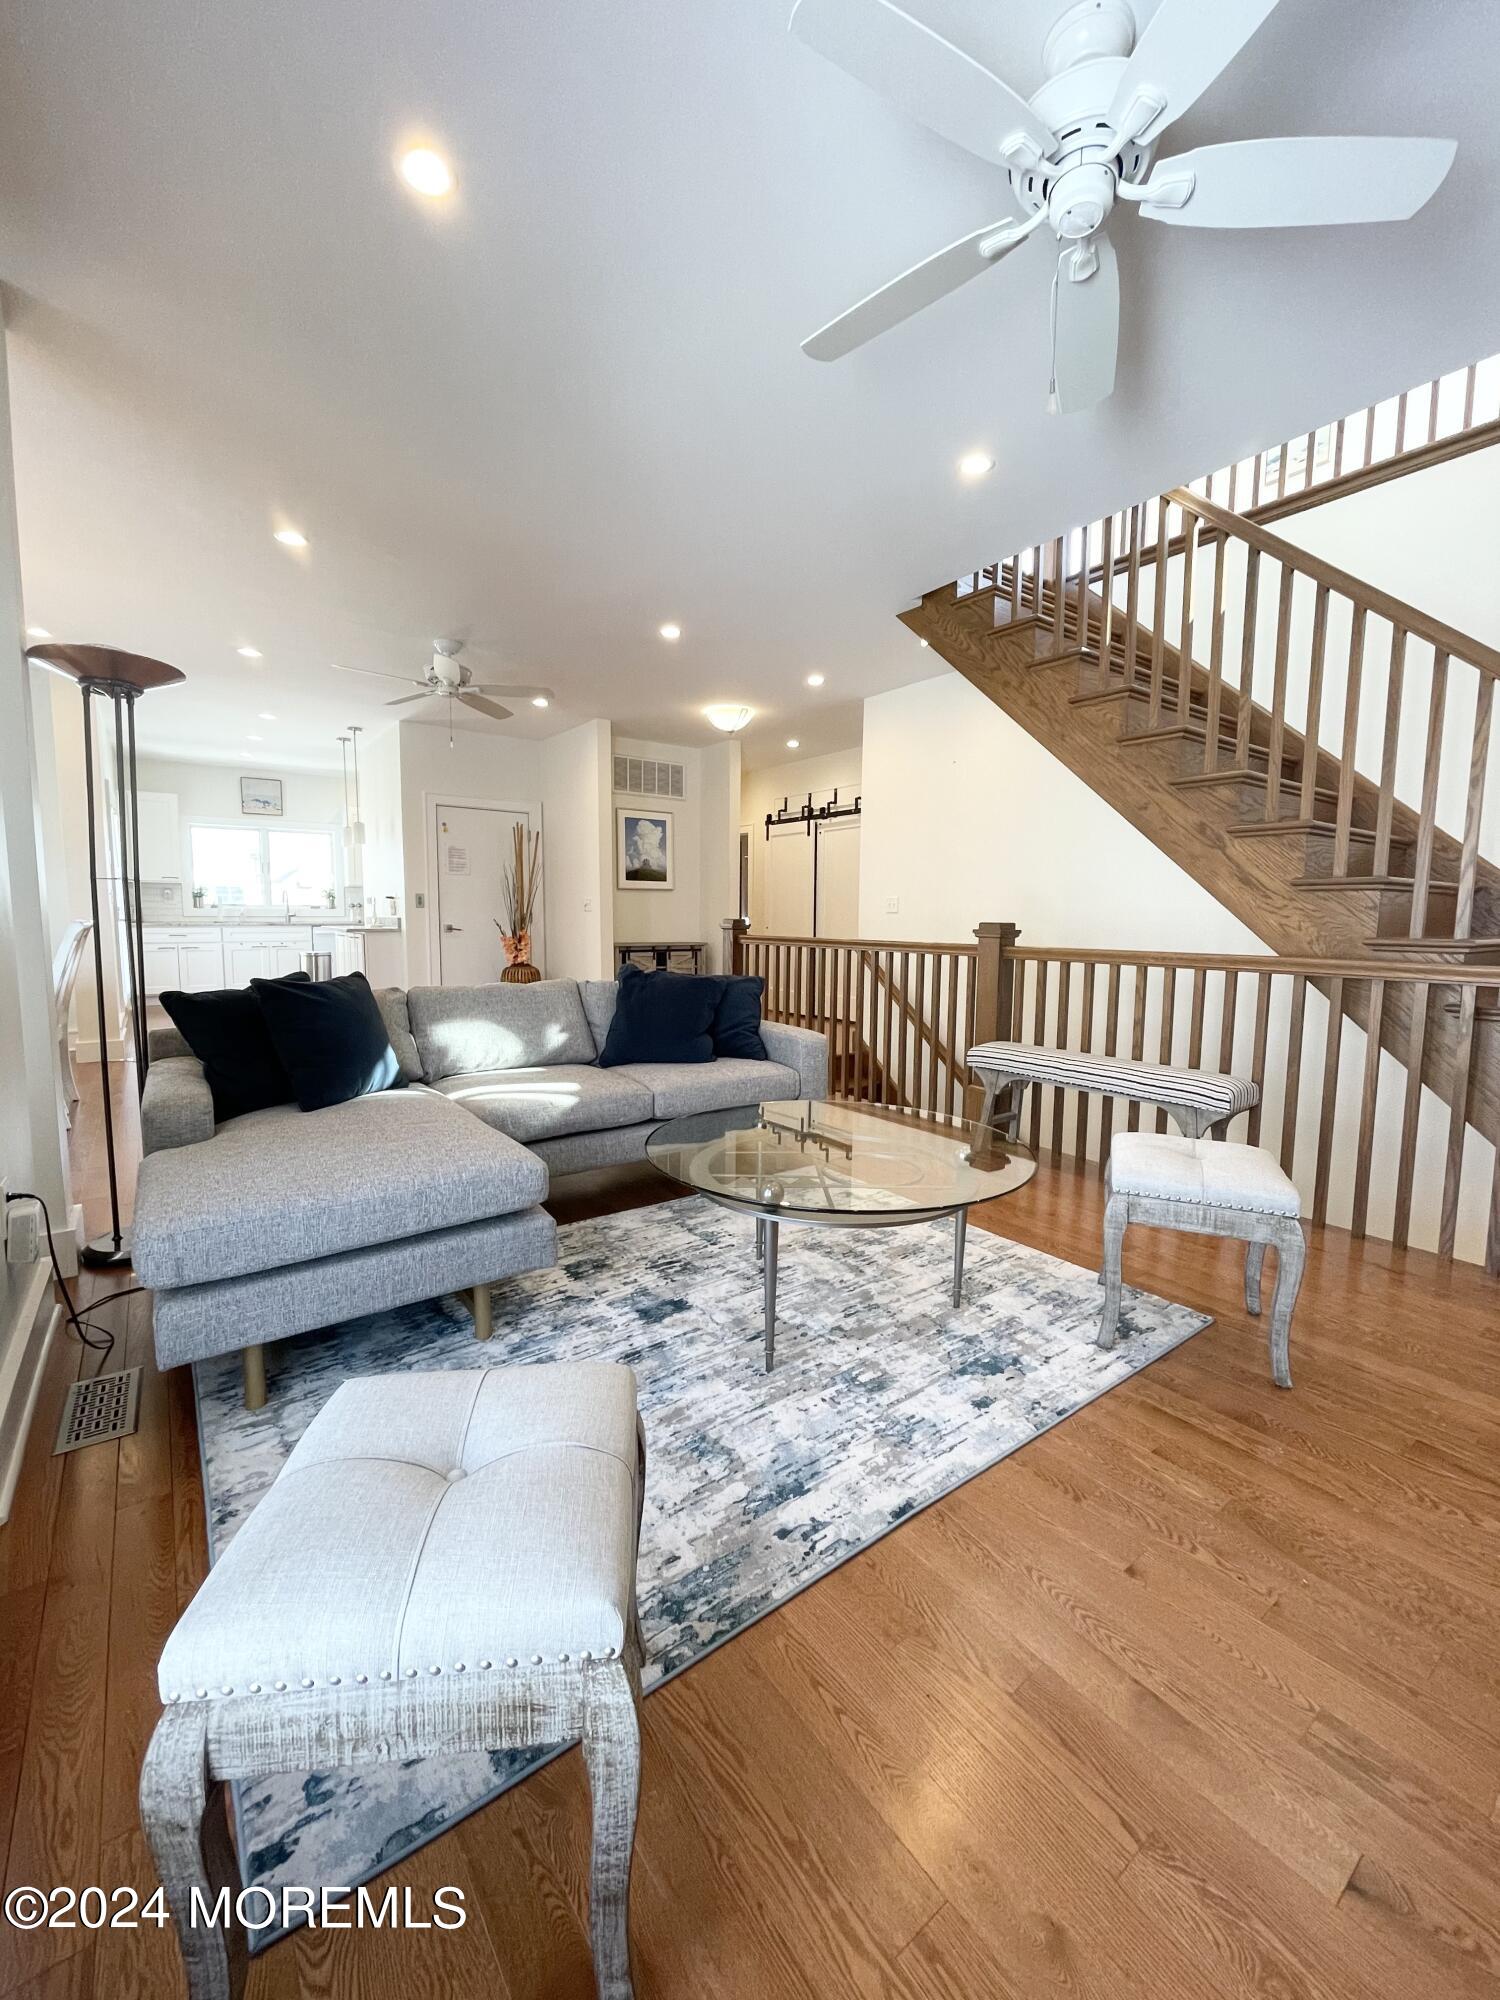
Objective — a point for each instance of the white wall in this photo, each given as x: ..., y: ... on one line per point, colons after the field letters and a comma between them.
x: 577, y: 870
x: 721, y: 779
x: 765, y: 791
x: 212, y: 792
x: 967, y: 819
x: 478, y: 769
x: 675, y: 915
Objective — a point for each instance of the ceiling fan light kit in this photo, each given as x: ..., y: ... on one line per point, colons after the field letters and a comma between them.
x: 1086, y: 141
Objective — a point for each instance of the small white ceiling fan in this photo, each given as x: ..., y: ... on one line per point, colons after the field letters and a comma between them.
x: 1086, y: 140
x: 448, y: 677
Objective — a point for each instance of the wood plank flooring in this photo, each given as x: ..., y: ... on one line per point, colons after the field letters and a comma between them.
x: 1195, y: 1698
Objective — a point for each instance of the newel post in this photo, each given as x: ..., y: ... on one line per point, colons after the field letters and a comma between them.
x: 994, y: 993
x: 734, y: 929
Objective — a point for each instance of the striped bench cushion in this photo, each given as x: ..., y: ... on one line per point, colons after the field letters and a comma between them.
x: 1145, y: 1083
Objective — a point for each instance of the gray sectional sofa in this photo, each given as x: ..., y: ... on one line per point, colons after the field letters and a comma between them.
x: 283, y: 1220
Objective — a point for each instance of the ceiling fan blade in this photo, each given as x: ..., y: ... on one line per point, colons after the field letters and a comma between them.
x: 402, y: 699
x: 375, y: 675
x: 484, y: 707
x: 1296, y: 183
x: 892, y: 52
x: 1088, y: 330
x: 921, y: 286
x: 527, y: 693
x: 1183, y: 47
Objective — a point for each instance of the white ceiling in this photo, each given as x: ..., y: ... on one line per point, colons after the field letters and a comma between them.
x: 570, y: 404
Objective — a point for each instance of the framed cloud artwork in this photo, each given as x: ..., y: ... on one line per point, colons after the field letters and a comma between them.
x: 645, y: 856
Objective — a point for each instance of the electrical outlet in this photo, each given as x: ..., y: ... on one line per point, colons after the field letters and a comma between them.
x: 588, y: 906
x: 893, y: 906
x: 23, y: 1231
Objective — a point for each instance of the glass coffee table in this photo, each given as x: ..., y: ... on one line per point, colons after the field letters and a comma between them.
x: 832, y: 1165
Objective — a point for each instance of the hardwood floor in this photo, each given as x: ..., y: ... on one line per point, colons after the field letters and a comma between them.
x: 1196, y: 1697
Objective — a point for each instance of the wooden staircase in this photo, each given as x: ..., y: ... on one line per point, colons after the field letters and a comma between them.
x: 1153, y: 655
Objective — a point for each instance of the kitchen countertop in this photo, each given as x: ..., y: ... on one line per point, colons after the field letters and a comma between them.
x: 198, y: 920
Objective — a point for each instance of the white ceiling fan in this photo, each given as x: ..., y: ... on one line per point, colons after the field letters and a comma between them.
x: 1086, y: 140
x: 448, y: 677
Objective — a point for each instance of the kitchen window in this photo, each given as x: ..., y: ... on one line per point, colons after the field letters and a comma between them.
x: 254, y: 867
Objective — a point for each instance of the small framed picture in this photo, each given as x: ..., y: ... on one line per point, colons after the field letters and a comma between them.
x: 644, y: 855
x: 261, y: 797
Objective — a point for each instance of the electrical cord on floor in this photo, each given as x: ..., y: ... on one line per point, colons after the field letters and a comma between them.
x: 98, y: 1339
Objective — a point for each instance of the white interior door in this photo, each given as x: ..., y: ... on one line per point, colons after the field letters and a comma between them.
x: 789, y: 882
x: 837, y: 910
x: 473, y: 851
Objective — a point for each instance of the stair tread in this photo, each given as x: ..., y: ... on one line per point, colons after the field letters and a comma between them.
x: 1403, y: 884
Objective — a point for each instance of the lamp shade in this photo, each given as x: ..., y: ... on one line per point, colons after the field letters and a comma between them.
x: 105, y: 667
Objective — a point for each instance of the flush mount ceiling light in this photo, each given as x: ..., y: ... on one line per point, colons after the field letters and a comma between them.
x: 255, y: 739
x: 670, y: 631
x: 427, y: 172
x: 729, y: 716
x: 37, y: 632
x: 290, y: 538
x: 248, y: 652
x: 539, y: 701
x: 266, y: 715
x: 794, y: 743
x: 975, y: 464
x: 815, y: 680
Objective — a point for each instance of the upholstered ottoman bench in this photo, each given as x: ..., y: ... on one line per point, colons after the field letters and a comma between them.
x: 1195, y: 1100
x: 446, y: 1563
x: 1208, y: 1187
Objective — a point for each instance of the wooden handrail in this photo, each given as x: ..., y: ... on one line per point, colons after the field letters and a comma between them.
x: 856, y: 944
x: 1407, y: 617
x: 1419, y: 459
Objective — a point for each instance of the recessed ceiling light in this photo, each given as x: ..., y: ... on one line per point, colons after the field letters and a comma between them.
x: 728, y: 715
x: 37, y: 632
x: 815, y: 680
x: 921, y: 642
x: 975, y: 464
x: 266, y: 715
x: 291, y: 538
x: 248, y: 652
x: 794, y: 743
x: 255, y: 739
x: 426, y: 171
x: 670, y: 631
x: 539, y: 701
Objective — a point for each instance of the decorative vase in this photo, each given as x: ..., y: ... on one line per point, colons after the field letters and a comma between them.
x: 519, y: 970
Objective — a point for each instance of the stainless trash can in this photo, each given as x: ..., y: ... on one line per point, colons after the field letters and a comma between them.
x: 318, y: 964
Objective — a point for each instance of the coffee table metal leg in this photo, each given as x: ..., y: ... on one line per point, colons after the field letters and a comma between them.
x: 960, y: 1231
x: 760, y: 1239
x: 770, y: 1231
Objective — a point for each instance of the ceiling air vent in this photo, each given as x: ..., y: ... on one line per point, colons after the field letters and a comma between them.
x: 645, y: 778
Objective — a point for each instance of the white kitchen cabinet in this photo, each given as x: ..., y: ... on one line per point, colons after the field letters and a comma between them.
x: 160, y: 837
x: 287, y: 954
x: 348, y: 952
x: 200, y: 962
x: 162, y: 971
x: 244, y: 961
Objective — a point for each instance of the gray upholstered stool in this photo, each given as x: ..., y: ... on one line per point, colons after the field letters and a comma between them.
x: 1208, y: 1187
x: 446, y: 1563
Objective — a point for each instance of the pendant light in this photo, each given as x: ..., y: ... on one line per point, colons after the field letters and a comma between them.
x: 357, y: 825
x: 348, y: 825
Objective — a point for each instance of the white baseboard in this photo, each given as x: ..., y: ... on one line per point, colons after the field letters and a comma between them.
x: 23, y: 1362
x: 87, y: 1051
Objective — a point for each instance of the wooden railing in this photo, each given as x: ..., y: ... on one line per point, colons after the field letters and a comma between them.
x: 1400, y: 1150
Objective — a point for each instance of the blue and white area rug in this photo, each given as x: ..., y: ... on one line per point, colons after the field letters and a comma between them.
x: 884, y: 1397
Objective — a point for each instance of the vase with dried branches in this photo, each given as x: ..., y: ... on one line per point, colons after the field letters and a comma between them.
x: 523, y: 885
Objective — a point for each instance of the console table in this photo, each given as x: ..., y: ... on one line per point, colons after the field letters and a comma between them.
x: 661, y: 957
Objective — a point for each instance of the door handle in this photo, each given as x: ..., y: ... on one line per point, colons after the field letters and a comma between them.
x: 452, y: 927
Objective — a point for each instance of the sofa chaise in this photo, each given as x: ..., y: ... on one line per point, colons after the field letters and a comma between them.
x: 282, y: 1220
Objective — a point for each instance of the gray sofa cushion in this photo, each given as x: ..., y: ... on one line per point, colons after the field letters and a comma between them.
x: 177, y: 1106
x: 543, y: 1102
x: 599, y: 996
x: 285, y: 1186
x: 391, y: 1000
x: 460, y: 1029
x: 678, y: 1089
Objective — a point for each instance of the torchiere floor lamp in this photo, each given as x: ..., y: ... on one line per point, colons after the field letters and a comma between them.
x: 120, y: 678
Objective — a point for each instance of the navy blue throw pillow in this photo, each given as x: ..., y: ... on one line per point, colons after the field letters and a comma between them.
x: 736, y: 1026
x: 227, y: 1032
x: 661, y: 1017
x: 330, y: 1038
